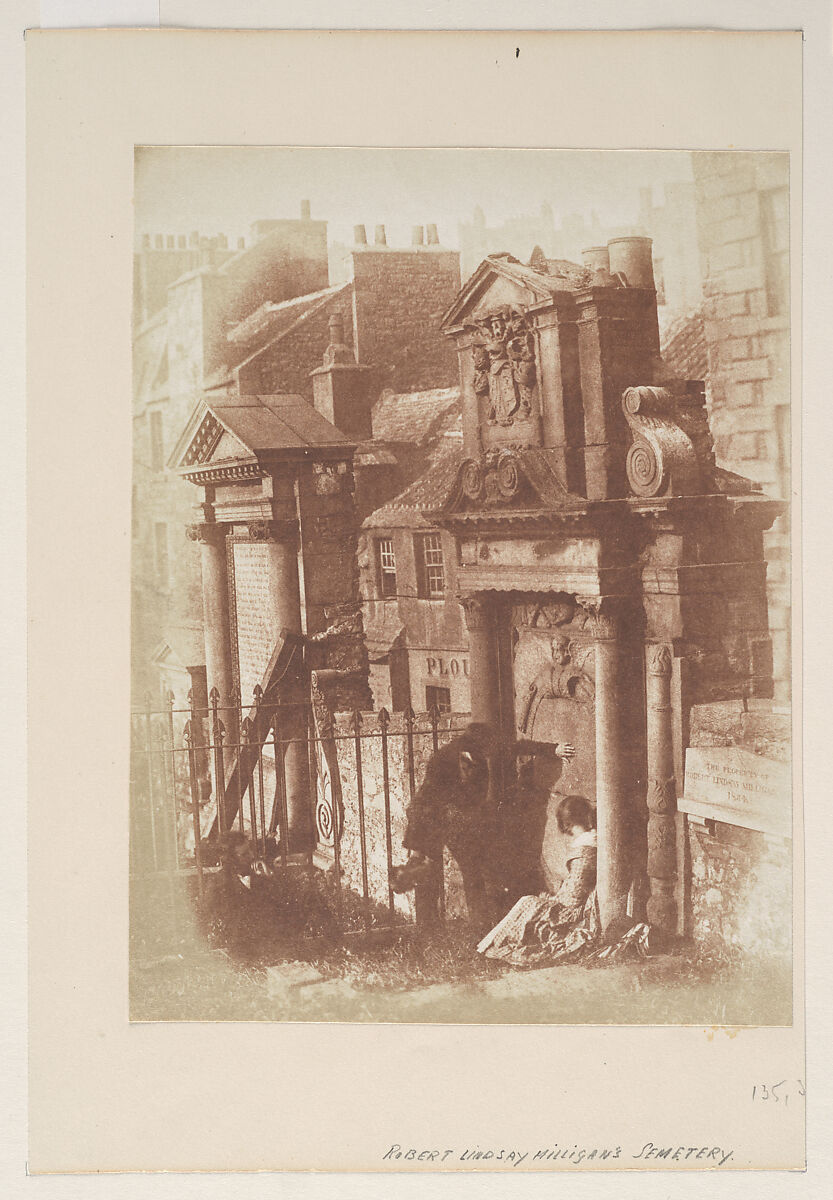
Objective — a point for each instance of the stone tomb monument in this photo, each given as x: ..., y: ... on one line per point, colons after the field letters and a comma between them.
x: 611, y: 575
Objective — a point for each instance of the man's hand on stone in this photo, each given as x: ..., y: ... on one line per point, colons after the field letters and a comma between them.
x: 565, y: 750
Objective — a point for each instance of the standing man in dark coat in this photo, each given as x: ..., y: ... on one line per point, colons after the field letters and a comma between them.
x: 455, y: 807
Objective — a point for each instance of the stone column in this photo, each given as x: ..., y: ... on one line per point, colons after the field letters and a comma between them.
x: 215, y: 609
x: 614, y: 866
x: 662, y: 792
x: 485, y: 680
x: 281, y: 539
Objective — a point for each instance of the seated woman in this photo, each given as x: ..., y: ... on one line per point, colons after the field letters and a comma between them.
x: 546, y: 927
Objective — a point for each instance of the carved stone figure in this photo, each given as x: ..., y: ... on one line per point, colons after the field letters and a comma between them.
x: 504, y: 365
x: 562, y: 677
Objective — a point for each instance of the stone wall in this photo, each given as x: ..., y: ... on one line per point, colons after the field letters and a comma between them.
x: 740, y: 892
x: 374, y: 800
x: 400, y: 297
x: 743, y: 227
x: 286, y: 366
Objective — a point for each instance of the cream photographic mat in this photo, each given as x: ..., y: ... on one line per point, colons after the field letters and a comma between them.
x: 111, y: 1087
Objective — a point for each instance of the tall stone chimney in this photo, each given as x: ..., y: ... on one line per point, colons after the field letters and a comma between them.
x: 341, y: 388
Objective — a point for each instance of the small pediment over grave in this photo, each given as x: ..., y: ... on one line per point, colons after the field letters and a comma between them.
x: 501, y: 282
x: 251, y: 430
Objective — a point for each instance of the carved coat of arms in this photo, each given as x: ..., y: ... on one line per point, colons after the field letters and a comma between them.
x: 504, y: 365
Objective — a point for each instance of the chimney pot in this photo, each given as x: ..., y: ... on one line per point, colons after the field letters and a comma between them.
x: 305, y: 210
x: 631, y: 257
x: 360, y: 235
x: 336, y: 329
x: 417, y: 235
x: 433, y: 236
x: 380, y: 237
x: 596, y: 258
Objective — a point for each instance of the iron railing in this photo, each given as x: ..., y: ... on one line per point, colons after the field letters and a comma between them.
x: 203, y: 775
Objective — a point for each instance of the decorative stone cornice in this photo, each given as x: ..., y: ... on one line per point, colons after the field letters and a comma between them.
x: 224, y: 474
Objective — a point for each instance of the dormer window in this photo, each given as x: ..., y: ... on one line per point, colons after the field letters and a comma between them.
x: 386, y: 559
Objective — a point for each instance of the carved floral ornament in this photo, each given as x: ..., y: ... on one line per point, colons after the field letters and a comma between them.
x: 503, y: 350
x: 659, y: 659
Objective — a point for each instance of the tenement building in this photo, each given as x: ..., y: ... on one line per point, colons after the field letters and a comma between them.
x: 221, y: 323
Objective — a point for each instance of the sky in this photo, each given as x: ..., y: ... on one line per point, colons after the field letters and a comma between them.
x: 223, y: 189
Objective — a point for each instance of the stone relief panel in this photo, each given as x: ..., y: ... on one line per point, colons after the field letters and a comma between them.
x: 554, y: 686
x: 505, y: 372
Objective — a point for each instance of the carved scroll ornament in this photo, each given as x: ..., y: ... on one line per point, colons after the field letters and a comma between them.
x: 662, y: 459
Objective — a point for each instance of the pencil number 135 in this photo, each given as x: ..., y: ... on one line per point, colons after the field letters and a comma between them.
x: 779, y: 1093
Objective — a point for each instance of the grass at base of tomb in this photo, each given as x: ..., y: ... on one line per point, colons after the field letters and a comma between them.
x: 215, y: 967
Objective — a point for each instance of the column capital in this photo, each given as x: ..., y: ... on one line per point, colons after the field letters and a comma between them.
x: 659, y: 658
x: 478, y: 611
x: 273, y: 531
x: 604, y: 617
x: 207, y: 533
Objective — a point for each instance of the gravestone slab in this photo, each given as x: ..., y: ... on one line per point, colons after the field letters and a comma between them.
x: 730, y: 784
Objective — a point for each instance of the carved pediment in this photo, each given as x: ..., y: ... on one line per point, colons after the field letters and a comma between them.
x: 511, y: 478
x: 499, y: 282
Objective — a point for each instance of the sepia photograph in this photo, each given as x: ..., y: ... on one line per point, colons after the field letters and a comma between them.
x: 461, y: 592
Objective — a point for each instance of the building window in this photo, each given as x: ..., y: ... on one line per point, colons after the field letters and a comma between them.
x: 161, y: 552
x: 387, y: 567
x: 438, y: 697
x: 775, y: 214
x: 157, y: 447
x: 432, y: 572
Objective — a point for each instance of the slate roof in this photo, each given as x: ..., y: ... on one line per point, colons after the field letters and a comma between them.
x: 684, y: 348
x: 266, y: 327
x: 413, y: 506
x: 281, y: 422
x: 261, y: 424
x: 416, y: 417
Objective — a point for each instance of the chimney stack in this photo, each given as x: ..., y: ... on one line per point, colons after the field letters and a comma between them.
x: 305, y: 210
x: 195, y: 239
x: 160, y: 241
x: 146, y: 241
x: 417, y: 235
x: 181, y: 241
x: 380, y: 237
x: 222, y: 241
x: 241, y: 243
x: 341, y: 389
x: 433, y: 236
x: 360, y: 235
